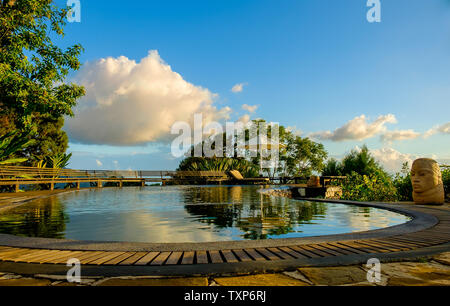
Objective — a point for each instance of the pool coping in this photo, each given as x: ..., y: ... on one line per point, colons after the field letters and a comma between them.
x: 426, y: 234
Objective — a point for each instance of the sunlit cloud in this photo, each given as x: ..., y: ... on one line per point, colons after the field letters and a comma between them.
x: 250, y: 108
x: 439, y: 129
x: 391, y: 136
x: 356, y: 129
x: 134, y: 103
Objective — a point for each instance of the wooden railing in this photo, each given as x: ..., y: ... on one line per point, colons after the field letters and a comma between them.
x: 16, y: 176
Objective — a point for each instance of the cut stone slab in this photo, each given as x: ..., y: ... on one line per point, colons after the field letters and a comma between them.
x: 299, y: 276
x: 259, y: 280
x: 334, y: 276
x: 24, y: 282
x: 416, y: 274
x: 10, y: 276
x: 193, y: 281
x: 443, y: 258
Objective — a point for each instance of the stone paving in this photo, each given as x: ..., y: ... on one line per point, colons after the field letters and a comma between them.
x: 433, y: 271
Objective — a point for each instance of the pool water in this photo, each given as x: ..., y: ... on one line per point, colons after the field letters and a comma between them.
x: 187, y: 214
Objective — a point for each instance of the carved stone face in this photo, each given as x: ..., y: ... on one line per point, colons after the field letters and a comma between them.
x: 426, y: 180
x: 423, y: 177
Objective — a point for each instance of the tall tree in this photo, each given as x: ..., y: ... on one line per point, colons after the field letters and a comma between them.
x: 34, y: 93
x: 297, y: 156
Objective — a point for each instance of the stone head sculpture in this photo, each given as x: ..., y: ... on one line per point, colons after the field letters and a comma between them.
x: 426, y: 179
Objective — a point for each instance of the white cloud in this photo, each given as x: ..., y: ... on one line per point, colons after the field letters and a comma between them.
x: 244, y: 119
x: 250, y: 108
x: 391, y: 136
x: 294, y: 130
x: 391, y: 159
x: 238, y: 87
x: 357, y: 129
x: 443, y: 129
x: 131, y: 103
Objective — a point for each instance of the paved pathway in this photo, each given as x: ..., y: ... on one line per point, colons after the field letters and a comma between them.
x: 433, y: 271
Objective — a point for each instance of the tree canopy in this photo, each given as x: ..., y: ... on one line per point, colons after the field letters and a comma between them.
x: 297, y: 156
x: 34, y: 94
x: 359, y: 161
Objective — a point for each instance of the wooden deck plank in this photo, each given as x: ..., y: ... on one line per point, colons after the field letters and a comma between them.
x: 37, y: 257
x: 146, y: 259
x: 304, y: 252
x: 254, y: 255
x: 370, y: 249
x: 338, y: 249
x: 281, y: 254
x: 131, y: 260
x: 88, y: 254
x: 13, y: 250
x: 313, y: 250
x: 188, y: 258
x: 425, y: 239
x: 119, y: 259
x: 332, y: 252
x: 347, y: 248
x: 160, y: 259
x: 5, y: 248
x: 390, y: 248
x: 103, y: 259
x: 229, y: 256
x: 202, y: 257
x: 14, y: 254
x: 242, y: 256
x: 292, y: 253
x: 392, y: 244
x: 48, y: 256
x: 360, y: 249
x: 215, y: 257
x: 403, y: 243
x: 174, y: 258
x: 409, y: 241
x: 267, y: 254
x: 65, y: 257
x: 31, y: 254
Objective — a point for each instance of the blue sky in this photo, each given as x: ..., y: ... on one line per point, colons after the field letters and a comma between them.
x: 315, y: 65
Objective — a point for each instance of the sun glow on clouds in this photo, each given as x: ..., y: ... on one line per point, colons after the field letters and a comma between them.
x: 357, y: 129
x: 132, y: 103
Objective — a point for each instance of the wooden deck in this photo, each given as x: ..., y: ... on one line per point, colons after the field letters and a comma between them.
x: 437, y: 235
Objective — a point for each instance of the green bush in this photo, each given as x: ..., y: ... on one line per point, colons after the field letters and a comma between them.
x: 446, y: 180
x: 245, y: 167
x: 402, y: 181
x: 377, y: 187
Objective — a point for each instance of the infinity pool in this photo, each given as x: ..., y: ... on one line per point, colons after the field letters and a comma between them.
x: 186, y: 214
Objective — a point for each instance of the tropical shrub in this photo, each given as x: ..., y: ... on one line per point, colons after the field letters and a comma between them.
x: 332, y: 168
x: 377, y: 187
x: 245, y: 167
x: 402, y: 182
x: 10, y: 144
x: 446, y: 180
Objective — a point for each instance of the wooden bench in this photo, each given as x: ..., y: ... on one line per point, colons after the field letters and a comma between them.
x: 237, y: 177
x: 200, y: 176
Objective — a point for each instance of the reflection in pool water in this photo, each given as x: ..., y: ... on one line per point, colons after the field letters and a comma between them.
x: 186, y: 214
